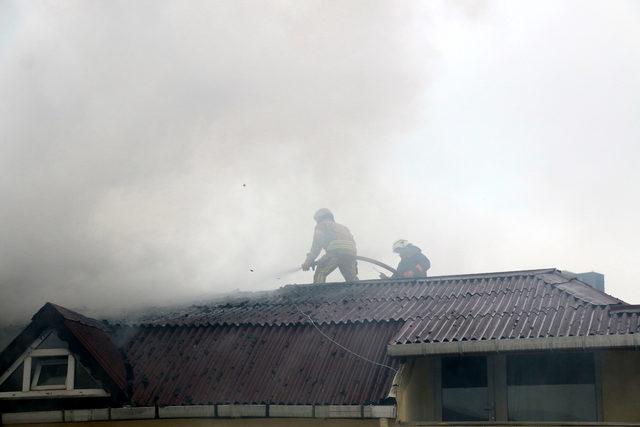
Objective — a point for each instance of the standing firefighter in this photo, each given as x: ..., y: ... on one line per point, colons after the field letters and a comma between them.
x: 339, y: 246
x: 413, y: 263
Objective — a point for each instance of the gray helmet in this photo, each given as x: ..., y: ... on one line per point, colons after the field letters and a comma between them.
x: 322, y: 213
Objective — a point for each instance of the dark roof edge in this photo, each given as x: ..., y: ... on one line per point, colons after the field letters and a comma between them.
x: 168, y: 324
x: 494, y: 346
x: 74, y: 316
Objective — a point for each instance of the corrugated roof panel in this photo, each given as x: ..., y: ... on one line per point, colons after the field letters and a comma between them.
x: 258, y: 364
x: 96, y: 339
x: 536, y: 327
x: 99, y: 344
x: 545, y: 327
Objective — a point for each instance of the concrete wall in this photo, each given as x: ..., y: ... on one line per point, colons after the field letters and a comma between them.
x: 414, y: 398
x: 620, y: 379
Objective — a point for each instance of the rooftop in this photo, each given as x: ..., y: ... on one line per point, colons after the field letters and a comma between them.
x: 334, y: 343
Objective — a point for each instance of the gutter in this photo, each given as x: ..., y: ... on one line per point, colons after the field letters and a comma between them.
x: 491, y: 346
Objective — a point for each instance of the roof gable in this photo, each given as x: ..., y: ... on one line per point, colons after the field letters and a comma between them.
x: 87, y: 339
x: 48, y: 368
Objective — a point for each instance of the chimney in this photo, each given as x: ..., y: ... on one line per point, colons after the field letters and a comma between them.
x: 593, y: 279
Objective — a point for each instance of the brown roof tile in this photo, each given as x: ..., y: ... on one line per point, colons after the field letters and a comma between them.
x: 261, y: 364
x: 96, y: 339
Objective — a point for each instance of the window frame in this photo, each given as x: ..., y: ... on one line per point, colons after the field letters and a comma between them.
x: 30, y: 384
x: 37, y: 354
x: 597, y: 380
x: 497, y: 383
x: 490, y: 405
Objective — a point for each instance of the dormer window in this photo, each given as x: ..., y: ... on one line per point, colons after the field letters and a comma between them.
x: 51, y: 372
x: 48, y: 369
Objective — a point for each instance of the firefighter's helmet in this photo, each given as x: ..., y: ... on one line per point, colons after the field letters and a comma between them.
x: 400, y: 244
x: 323, y: 213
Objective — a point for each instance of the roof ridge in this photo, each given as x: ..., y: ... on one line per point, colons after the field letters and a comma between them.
x: 74, y: 316
x: 262, y: 324
x: 508, y: 273
x: 381, y: 282
x: 401, y: 318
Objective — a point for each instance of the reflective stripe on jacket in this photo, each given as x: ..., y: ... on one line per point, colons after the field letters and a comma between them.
x: 332, y: 237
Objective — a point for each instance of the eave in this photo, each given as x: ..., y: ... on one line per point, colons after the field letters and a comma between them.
x: 510, y: 345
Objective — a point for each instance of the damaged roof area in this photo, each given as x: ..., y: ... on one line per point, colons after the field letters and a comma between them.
x: 268, y: 350
x: 509, y: 305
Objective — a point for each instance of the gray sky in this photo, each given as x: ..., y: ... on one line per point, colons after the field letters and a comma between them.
x: 494, y: 135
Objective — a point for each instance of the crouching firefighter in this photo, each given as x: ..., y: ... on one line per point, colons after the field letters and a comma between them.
x: 413, y: 263
x: 339, y: 246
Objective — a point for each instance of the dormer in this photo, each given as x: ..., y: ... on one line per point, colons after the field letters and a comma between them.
x: 62, y: 355
x: 49, y: 369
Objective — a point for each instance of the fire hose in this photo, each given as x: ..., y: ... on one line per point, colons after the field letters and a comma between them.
x: 376, y: 262
x: 366, y: 259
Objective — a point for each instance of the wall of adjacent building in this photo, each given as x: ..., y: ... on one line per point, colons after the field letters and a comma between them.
x: 414, y: 397
x: 620, y: 379
x: 619, y: 388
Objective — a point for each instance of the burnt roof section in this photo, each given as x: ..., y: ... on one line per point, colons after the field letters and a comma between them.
x: 397, y: 300
x: 261, y: 364
x: 489, y: 306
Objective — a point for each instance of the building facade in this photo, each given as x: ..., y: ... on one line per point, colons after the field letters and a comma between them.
x: 508, y: 348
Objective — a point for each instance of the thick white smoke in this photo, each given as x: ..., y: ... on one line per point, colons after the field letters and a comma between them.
x: 159, y: 151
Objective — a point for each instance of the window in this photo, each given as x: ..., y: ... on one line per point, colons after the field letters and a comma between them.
x: 465, y: 394
x: 551, y: 387
x: 49, y: 369
x: 49, y: 373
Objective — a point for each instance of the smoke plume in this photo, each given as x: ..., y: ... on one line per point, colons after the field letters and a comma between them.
x: 161, y: 151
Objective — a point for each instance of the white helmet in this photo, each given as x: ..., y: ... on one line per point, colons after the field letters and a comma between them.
x: 400, y: 244
x: 322, y: 213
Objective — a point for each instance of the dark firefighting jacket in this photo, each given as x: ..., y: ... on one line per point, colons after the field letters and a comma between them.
x: 413, y: 263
